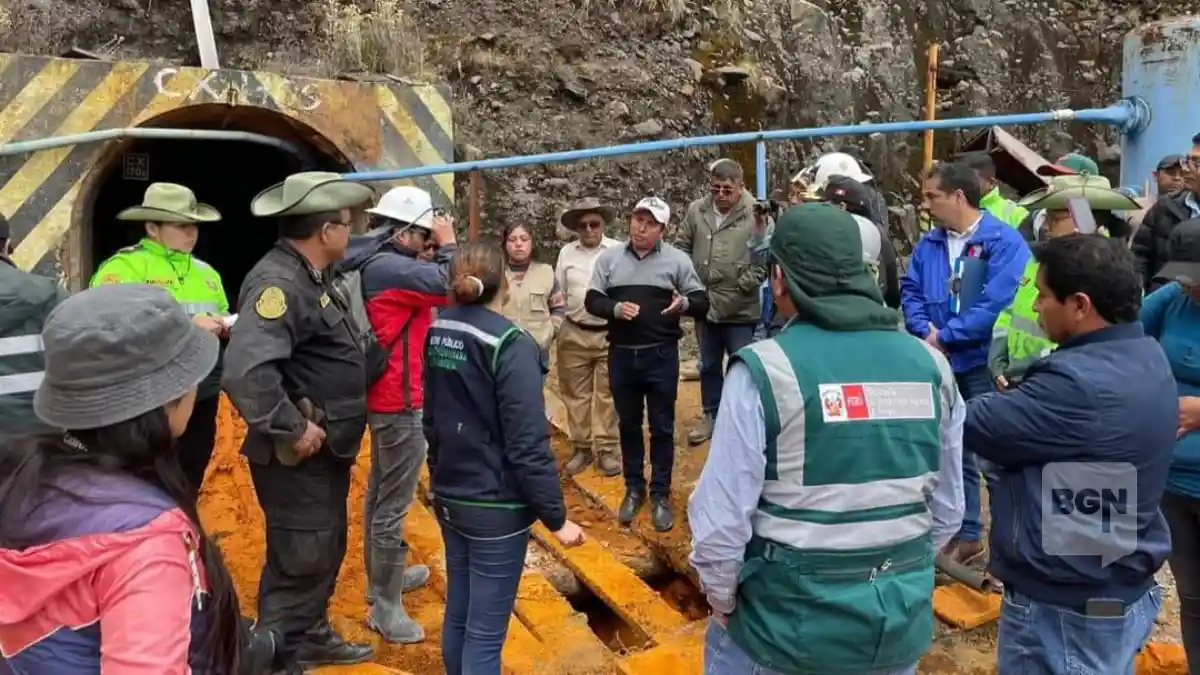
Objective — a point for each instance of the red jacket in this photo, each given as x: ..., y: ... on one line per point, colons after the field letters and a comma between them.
x: 401, y: 293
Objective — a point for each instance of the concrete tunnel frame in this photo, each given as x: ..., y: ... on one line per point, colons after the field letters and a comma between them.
x: 77, y: 257
x: 374, y: 124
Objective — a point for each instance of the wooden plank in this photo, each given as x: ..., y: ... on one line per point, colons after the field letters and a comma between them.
x: 622, y: 590
x: 682, y: 656
x: 575, y: 648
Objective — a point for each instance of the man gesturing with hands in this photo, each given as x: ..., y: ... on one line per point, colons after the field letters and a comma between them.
x: 645, y: 286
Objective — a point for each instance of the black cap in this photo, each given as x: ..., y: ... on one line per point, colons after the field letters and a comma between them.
x: 5, y: 233
x: 843, y: 190
x: 1170, y: 162
x: 1183, y: 254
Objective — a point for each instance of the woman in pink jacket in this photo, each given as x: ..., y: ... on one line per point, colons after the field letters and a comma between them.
x: 103, y: 563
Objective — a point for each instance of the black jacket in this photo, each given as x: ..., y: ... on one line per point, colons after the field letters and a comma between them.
x: 1150, y: 241
x: 484, y: 415
x: 25, y: 302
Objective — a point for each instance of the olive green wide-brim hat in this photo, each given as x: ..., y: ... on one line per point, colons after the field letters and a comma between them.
x: 1096, y: 190
x: 170, y: 203
x: 310, y: 192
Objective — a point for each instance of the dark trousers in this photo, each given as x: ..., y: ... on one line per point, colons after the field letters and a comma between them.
x: 973, y: 383
x: 482, y: 575
x: 717, y: 340
x: 1183, y: 515
x: 196, y: 444
x: 645, y: 381
x: 305, y: 510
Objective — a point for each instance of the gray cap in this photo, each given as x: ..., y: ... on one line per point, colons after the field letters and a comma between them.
x: 118, y: 351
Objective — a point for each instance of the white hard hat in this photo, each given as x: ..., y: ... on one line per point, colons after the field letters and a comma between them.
x: 872, y: 240
x: 406, y: 204
x: 828, y: 166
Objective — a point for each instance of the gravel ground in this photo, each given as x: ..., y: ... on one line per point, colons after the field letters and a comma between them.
x: 1166, y: 627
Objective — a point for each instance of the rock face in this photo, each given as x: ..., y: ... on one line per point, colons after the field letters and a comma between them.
x: 563, y: 74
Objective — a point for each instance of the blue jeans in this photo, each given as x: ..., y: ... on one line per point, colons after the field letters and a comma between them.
x: 716, y: 341
x: 481, y: 587
x: 1038, y: 638
x: 975, y: 382
x: 645, y: 382
x: 723, y: 657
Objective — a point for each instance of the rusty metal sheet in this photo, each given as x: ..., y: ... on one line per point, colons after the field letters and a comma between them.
x: 374, y: 126
x: 1016, y: 163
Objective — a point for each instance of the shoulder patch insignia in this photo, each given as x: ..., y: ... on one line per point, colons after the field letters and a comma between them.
x: 109, y: 279
x: 324, y: 300
x: 212, y: 284
x: 271, y: 303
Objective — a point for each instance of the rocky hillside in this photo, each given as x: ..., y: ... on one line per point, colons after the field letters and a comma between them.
x: 561, y: 74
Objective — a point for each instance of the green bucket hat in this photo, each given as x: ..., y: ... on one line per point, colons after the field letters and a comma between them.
x: 1095, y: 189
x: 170, y: 203
x: 310, y: 192
x: 819, y: 248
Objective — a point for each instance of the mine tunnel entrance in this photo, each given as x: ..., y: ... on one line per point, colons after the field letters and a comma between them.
x: 224, y: 174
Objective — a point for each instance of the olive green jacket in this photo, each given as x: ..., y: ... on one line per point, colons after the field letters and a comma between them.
x: 723, y: 256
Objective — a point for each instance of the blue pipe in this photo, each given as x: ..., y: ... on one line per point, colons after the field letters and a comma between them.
x: 1126, y: 115
x: 760, y: 169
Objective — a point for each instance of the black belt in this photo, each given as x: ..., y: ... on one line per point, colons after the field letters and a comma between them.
x: 602, y: 328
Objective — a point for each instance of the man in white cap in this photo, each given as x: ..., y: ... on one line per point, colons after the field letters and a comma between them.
x: 843, y: 163
x: 296, y: 372
x: 400, y: 292
x: 644, y: 286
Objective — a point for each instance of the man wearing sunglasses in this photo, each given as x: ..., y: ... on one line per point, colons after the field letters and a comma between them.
x: 1150, y: 242
x: 400, y: 291
x: 719, y: 233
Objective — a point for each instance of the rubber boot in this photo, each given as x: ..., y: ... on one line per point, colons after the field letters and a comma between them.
x: 415, y: 576
x: 387, y: 616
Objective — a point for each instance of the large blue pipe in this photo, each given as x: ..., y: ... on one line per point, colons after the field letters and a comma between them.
x: 1161, y: 66
x: 1128, y: 115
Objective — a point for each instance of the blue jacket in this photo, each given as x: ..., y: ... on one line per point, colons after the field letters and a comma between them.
x: 1170, y: 316
x: 1103, y: 397
x: 485, y: 416
x: 925, y: 290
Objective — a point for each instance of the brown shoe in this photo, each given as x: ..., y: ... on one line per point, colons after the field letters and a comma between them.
x: 608, y: 463
x: 579, y: 461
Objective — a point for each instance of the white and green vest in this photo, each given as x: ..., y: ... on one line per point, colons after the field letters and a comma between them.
x: 839, y: 575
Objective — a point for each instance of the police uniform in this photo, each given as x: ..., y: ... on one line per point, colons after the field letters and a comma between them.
x: 293, y: 358
x: 25, y: 302
x: 194, y: 284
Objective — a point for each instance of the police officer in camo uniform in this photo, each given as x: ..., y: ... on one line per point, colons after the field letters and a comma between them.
x: 297, y: 375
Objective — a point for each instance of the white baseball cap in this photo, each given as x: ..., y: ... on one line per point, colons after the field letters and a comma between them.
x: 655, y: 207
x: 406, y: 204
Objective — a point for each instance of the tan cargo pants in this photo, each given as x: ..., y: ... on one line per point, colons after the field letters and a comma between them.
x: 584, y: 388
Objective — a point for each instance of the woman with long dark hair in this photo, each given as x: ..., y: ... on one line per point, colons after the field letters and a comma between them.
x: 104, y: 564
x: 535, y: 300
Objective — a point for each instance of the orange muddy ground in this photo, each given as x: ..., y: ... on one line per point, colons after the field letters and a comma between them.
x: 230, y: 512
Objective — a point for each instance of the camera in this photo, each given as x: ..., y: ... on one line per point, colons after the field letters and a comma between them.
x: 769, y: 207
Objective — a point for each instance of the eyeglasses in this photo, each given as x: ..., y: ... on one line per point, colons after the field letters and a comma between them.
x: 718, y: 190
x: 591, y: 225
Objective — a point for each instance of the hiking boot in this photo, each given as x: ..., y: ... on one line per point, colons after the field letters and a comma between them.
x: 387, y: 616
x: 322, y: 646
x: 579, y: 461
x: 660, y: 514
x: 701, y: 432
x: 630, y: 506
x: 608, y: 463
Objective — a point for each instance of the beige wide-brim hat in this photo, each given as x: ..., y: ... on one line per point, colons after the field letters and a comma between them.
x: 310, y: 192
x: 1096, y: 190
x: 570, y: 217
x: 170, y: 203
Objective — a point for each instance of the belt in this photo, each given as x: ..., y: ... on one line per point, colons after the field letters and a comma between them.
x: 602, y: 328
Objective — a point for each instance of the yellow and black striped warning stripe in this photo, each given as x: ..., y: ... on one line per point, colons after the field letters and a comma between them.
x: 46, y: 97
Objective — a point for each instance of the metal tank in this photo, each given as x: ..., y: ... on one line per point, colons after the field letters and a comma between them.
x: 1161, y: 67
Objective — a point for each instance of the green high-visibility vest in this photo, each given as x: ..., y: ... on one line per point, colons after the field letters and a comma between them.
x: 1025, y: 339
x: 838, y: 575
x: 1004, y: 209
x: 192, y: 282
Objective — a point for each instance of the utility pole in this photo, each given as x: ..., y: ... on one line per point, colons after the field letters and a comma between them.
x: 204, y: 35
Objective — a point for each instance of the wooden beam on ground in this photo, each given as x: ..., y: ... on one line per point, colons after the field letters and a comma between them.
x: 523, y: 653
x: 574, y: 647
x: 682, y: 656
x: 622, y: 590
